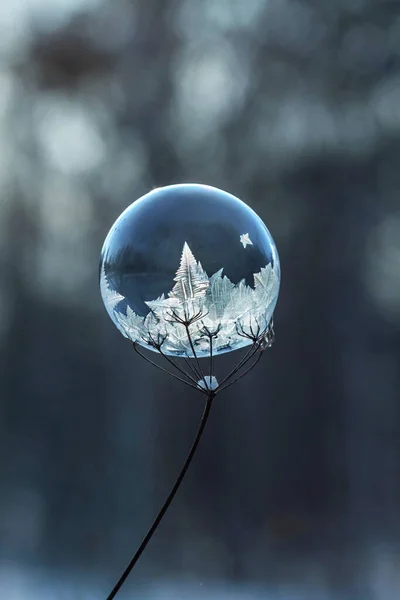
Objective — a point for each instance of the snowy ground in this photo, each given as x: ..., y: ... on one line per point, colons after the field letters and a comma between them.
x: 20, y: 584
x: 17, y: 583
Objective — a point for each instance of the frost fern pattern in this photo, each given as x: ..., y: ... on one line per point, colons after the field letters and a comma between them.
x: 207, y: 304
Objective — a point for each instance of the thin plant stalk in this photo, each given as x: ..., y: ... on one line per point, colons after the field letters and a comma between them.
x: 179, y: 479
x: 194, y: 370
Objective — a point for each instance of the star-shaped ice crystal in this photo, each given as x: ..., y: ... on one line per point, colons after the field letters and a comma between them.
x: 245, y: 240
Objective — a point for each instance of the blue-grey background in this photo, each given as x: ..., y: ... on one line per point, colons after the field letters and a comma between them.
x: 294, y: 106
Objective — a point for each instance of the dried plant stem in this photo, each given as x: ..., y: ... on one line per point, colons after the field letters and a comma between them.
x: 192, y: 377
x: 149, y: 535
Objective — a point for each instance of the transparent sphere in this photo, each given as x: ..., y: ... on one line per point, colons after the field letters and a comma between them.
x: 190, y: 269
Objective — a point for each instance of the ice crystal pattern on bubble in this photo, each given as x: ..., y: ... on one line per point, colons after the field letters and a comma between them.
x: 245, y: 240
x: 211, y: 305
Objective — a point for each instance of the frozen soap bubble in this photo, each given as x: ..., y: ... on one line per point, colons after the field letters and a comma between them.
x: 190, y: 269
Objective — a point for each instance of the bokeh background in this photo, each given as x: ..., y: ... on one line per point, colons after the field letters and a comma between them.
x: 294, y: 106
